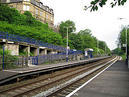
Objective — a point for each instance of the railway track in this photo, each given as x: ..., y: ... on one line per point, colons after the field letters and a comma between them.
x: 72, y: 88
x: 53, y: 84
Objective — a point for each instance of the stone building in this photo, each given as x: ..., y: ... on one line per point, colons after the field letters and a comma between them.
x: 38, y: 10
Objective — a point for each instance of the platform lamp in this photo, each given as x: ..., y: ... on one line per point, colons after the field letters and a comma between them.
x: 67, y: 47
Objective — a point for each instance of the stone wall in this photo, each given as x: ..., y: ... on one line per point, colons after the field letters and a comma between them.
x: 14, y: 48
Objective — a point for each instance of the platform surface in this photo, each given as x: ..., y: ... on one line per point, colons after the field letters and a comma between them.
x: 114, y: 82
x: 13, y: 72
x: 7, y: 75
x: 41, y: 67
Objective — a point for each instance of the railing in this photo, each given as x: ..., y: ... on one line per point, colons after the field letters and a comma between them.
x: 37, y: 60
x: 17, y: 38
x: 24, y: 61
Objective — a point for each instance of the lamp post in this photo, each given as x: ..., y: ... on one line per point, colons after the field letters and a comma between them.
x: 67, y: 43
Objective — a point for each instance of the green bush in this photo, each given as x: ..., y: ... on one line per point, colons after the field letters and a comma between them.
x: 8, y: 59
x: 13, y: 22
x: 38, y: 33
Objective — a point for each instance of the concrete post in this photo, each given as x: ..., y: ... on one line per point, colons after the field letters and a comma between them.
x: 36, y: 51
x: 45, y: 51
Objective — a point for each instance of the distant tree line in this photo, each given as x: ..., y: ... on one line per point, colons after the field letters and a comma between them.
x: 121, y: 49
x: 82, y: 39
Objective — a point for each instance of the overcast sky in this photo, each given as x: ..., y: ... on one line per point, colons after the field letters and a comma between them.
x: 104, y: 23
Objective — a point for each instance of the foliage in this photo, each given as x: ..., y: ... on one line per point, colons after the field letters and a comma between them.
x: 95, y: 4
x: 7, y: 52
x: 13, y: 16
x: 76, y: 41
x: 13, y: 22
x: 38, y: 33
x: 26, y: 25
x: 23, y: 53
x: 88, y: 39
x: 118, y: 51
x: 122, y: 43
x: 123, y: 56
x: 8, y: 59
x: 122, y: 39
x: 84, y: 39
x: 30, y: 20
x: 63, y: 27
x: 103, y: 46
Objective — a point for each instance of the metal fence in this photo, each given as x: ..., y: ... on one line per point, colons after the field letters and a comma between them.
x: 11, y: 62
x: 37, y: 60
x: 24, y: 61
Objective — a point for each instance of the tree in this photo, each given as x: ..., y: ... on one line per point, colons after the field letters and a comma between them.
x: 76, y: 41
x: 62, y: 27
x: 87, y: 39
x: 122, y: 39
x: 94, y: 5
x: 118, y: 51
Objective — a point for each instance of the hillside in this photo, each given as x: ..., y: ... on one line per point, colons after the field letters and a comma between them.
x: 13, y: 22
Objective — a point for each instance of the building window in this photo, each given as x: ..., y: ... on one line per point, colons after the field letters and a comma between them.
x: 41, y: 13
x: 46, y: 16
x: 26, y: 7
x: 36, y: 11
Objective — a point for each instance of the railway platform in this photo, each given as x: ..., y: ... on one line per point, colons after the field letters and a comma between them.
x: 7, y: 75
x: 113, y: 82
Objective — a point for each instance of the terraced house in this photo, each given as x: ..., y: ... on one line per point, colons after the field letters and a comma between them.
x: 38, y: 10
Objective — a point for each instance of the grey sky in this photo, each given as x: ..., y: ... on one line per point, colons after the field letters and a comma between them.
x: 104, y: 23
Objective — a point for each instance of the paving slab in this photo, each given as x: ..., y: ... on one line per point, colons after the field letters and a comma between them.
x: 114, y: 82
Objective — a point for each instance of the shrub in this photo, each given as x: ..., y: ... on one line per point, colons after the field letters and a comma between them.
x: 8, y: 59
